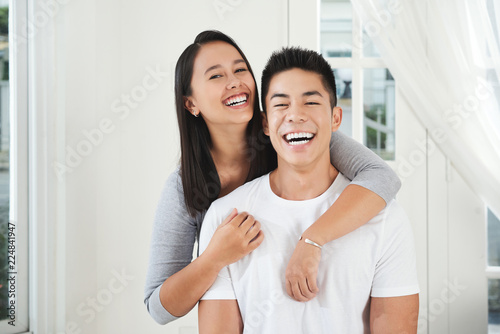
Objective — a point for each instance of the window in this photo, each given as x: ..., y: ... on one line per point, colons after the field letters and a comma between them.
x: 493, y: 222
x: 365, y: 87
x: 13, y: 170
x: 7, y: 255
x: 493, y: 273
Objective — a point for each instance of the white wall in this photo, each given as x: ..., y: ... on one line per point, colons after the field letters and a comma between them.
x: 106, y: 48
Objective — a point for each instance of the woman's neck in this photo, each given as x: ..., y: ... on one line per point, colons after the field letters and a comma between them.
x: 229, y: 152
x: 228, y: 145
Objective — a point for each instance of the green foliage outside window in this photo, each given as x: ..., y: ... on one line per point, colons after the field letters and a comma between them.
x: 4, y: 20
x: 4, y: 219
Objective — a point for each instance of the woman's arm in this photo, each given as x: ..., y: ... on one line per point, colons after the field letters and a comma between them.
x: 232, y: 240
x: 373, y: 184
x: 174, y: 284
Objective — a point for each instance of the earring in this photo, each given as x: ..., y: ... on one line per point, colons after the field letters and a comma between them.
x: 195, y: 114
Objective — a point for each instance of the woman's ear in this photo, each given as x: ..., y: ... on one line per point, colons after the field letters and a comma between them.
x: 189, y: 106
x: 336, y: 118
x: 265, y: 125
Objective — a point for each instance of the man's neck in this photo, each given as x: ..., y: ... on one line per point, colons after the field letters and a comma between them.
x: 299, y: 184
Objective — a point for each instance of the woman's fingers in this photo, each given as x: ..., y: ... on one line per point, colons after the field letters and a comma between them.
x: 298, y: 293
x: 252, y: 230
x: 233, y: 214
x: 256, y: 241
x: 300, y: 290
x: 247, y: 225
x: 246, y: 229
x: 239, y: 218
x: 312, y: 286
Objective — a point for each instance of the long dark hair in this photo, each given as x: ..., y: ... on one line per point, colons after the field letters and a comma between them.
x: 200, y: 179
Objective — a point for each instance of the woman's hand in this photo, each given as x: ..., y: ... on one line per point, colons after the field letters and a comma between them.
x: 237, y: 236
x: 302, y: 271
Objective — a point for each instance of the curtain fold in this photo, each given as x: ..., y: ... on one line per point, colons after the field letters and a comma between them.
x: 445, y: 57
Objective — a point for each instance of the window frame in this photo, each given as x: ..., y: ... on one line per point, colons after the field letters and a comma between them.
x: 358, y: 63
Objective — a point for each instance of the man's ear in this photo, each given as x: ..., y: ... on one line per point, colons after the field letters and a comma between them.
x: 336, y: 118
x: 265, y: 124
x: 189, y: 105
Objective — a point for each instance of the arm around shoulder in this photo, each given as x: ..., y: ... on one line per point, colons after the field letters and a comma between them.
x: 363, y: 167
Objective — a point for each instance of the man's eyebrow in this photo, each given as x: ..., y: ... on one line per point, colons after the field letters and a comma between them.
x: 237, y: 61
x: 311, y: 93
x: 279, y: 95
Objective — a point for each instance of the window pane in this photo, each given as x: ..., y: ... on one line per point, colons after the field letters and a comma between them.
x: 493, y: 306
x: 4, y: 158
x: 336, y: 28
x: 493, y: 113
x: 379, y: 111
x: 493, y: 240
x: 369, y: 48
x: 493, y: 16
x: 343, y: 80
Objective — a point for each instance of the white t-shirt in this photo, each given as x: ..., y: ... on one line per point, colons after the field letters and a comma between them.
x: 377, y: 259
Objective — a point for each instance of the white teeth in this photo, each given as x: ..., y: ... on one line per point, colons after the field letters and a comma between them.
x: 237, y: 101
x: 305, y: 135
x: 298, y: 142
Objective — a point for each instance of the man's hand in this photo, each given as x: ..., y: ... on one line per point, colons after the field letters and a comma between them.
x: 302, y: 271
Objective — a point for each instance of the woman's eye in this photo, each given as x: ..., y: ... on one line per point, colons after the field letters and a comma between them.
x: 215, y: 76
x: 312, y: 103
x: 241, y: 70
x: 280, y: 105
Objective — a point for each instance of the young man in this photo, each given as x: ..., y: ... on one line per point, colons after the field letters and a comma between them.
x: 367, y: 279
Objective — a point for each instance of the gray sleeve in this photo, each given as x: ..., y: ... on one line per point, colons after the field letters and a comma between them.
x: 171, y: 249
x: 363, y: 167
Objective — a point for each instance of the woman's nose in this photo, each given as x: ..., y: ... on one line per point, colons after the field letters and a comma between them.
x: 233, y: 82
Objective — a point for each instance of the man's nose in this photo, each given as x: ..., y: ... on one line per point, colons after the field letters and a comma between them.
x: 296, y: 113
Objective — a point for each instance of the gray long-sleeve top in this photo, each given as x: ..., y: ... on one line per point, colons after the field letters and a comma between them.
x: 175, y: 231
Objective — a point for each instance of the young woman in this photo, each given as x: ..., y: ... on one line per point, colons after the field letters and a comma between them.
x: 222, y: 147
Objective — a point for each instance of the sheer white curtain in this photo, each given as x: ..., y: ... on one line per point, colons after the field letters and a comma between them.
x: 445, y: 57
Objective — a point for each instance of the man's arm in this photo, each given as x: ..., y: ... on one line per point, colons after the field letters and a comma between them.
x: 394, y: 314
x: 219, y: 317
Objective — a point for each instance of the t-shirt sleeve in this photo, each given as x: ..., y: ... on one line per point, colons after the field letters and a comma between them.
x: 396, y: 270
x: 171, y: 248
x: 363, y: 167
x: 223, y: 286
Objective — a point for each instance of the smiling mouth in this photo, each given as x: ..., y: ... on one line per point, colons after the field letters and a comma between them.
x: 298, y: 138
x: 236, y: 100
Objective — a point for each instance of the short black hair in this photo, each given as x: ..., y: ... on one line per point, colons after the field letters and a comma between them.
x: 295, y: 57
